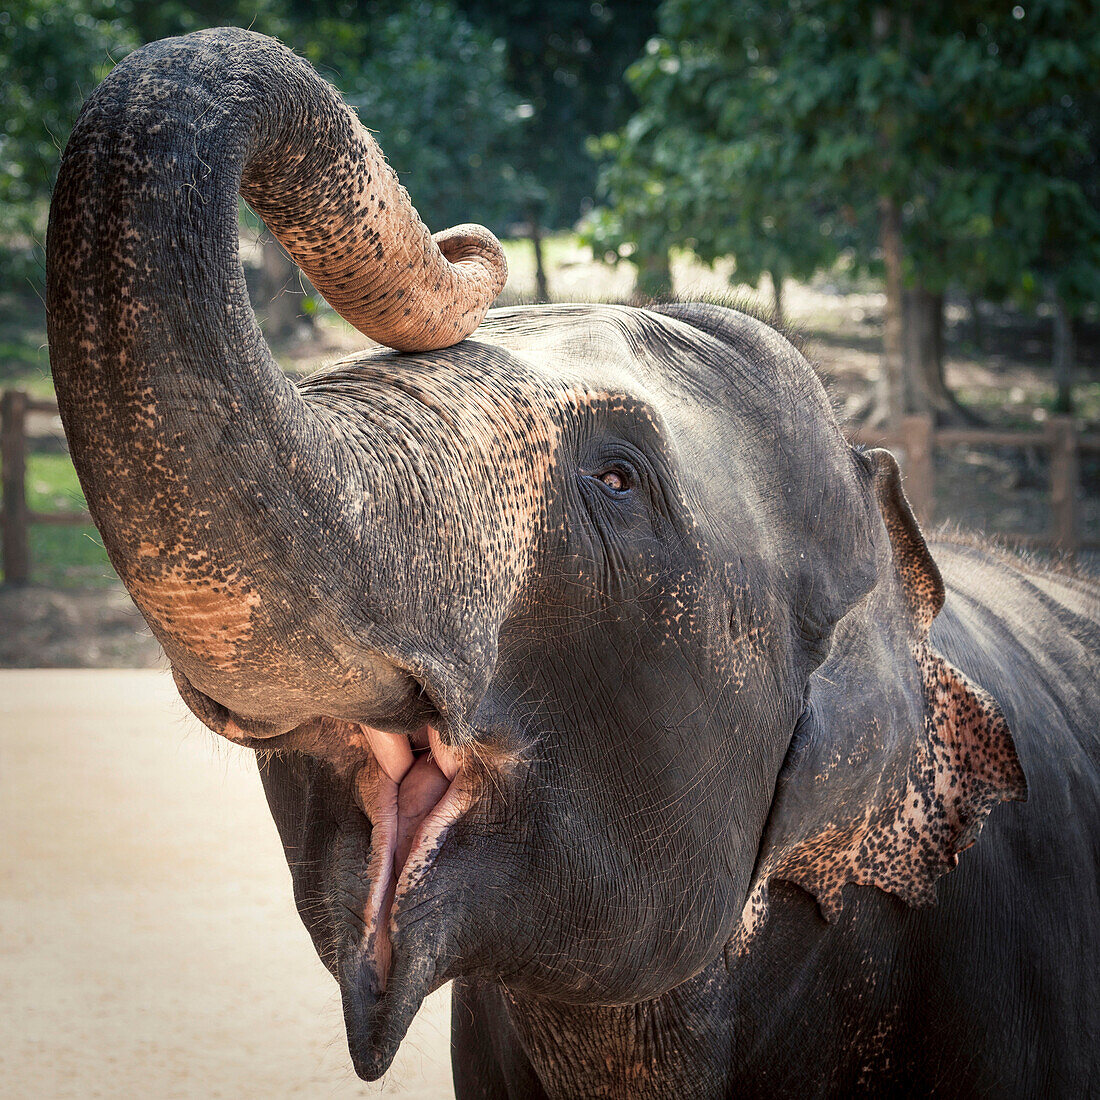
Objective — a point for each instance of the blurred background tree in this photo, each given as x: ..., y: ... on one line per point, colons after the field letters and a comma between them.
x: 565, y: 59
x: 52, y: 53
x: 949, y: 144
x: 951, y: 147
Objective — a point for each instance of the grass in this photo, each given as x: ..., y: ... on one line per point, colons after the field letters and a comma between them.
x: 62, y: 557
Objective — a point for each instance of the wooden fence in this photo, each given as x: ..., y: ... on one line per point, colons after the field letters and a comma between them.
x: 15, y: 516
x: 916, y: 439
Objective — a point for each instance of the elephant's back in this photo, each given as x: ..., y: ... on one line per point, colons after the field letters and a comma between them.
x: 1031, y: 638
x: 1023, y: 900
x: 1025, y: 620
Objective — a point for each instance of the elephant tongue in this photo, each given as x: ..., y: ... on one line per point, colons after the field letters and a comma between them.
x: 417, y: 795
x: 420, y: 781
x: 402, y: 800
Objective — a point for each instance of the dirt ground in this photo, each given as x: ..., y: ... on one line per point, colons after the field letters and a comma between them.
x: 149, y: 945
x: 74, y: 628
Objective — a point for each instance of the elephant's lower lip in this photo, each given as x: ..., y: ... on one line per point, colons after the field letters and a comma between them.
x: 411, y: 800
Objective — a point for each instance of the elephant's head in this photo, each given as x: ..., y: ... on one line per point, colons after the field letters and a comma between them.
x: 554, y: 645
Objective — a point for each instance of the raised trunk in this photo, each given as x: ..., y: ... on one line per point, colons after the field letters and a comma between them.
x: 216, y: 488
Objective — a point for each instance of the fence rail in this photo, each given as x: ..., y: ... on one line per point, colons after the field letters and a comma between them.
x: 15, y: 517
x: 916, y: 437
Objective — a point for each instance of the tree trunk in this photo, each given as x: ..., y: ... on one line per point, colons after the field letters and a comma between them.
x: 654, y: 275
x: 977, y: 331
x: 889, y: 403
x: 1064, y: 356
x: 890, y: 400
x: 542, y: 289
x: 922, y: 317
x: 777, y: 298
x: 925, y: 385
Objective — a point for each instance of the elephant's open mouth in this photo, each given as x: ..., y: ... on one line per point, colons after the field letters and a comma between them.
x: 412, y: 792
x: 410, y: 788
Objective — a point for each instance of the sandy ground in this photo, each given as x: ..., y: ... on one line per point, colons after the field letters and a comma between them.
x: 74, y: 628
x: 149, y: 946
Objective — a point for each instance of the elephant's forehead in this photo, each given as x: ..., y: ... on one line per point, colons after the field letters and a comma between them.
x: 531, y: 373
x: 626, y: 353
x: 658, y: 367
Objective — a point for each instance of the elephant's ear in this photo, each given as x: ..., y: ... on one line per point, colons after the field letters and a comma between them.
x: 899, y: 757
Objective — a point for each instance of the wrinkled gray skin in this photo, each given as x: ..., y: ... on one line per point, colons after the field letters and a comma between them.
x: 619, y: 567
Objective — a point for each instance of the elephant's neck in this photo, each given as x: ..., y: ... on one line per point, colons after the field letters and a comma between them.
x: 679, y: 1044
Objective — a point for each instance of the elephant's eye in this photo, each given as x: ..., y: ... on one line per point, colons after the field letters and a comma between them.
x: 615, y: 480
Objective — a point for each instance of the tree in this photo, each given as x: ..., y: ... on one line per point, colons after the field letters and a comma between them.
x: 433, y: 88
x: 430, y: 84
x: 52, y: 52
x: 952, y: 132
x: 694, y: 168
x: 565, y: 59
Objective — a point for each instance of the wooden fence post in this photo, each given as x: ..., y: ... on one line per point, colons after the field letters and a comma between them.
x: 917, y: 434
x: 13, y: 515
x: 1064, y: 477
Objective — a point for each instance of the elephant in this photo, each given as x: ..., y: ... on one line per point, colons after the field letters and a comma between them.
x: 585, y: 664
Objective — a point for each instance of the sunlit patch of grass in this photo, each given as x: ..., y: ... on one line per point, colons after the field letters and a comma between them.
x: 69, y: 557
x: 52, y: 484
x: 62, y: 557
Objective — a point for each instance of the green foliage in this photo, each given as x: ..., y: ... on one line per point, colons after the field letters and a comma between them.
x: 62, y: 556
x: 565, y: 59
x: 52, y: 52
x: 433, y: 88
x: 431, y: 84
x: 770, y: 130
x: 153, y: 19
